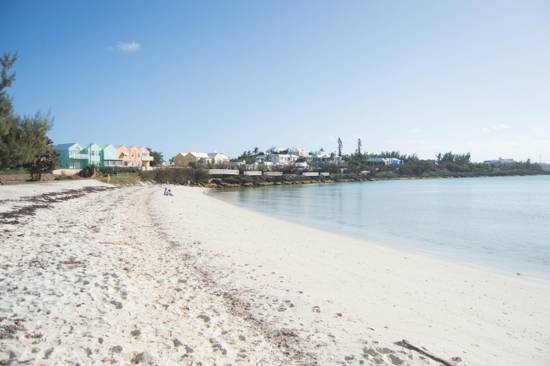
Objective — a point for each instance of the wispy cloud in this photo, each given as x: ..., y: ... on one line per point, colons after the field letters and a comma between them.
x: 496, y: 128
x: 128, y: 46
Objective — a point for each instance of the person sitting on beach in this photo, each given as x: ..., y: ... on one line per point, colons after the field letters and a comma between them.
x: 170, y: 192
x: 165, y: 191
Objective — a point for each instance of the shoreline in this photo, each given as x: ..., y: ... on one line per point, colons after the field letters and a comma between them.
x: 406, y: 248
x: 128, y: 275
x: 222, y: 183
x: 291, y: 249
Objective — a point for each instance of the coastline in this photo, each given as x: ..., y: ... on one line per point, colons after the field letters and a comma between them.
x: 404, y: 247
x: 502, y: 265
x: 239, y: 182
x: 307, y: 256
x: 131, y: 276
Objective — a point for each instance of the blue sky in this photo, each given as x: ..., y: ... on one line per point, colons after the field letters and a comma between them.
x: 415, y: 76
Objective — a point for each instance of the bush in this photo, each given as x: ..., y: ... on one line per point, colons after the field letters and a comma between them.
x: 92, y: 170
x: 114, y: 170
x: 176, y: 176
x: 88, y: 172
x: 386, y: 174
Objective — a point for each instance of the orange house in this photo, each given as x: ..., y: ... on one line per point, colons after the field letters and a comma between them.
x: 145, y: 156
x: 133, y: 156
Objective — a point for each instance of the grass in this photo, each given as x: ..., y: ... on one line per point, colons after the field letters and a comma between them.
x: 122, y: 179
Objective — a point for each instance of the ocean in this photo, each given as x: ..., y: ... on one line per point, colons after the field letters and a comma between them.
x: 502, y: 222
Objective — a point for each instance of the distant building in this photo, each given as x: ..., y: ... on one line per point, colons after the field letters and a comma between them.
x: 217, y: 158
x: 385, y: 161
x: 76, y: 156
x: 297, y: 151
x: 133, y: 156
x: 261, y: 158
x: 319, y: 157
x: 499, y: 161
x: 72, y: 156
x: 394, y: 161
x: 184, y: 159
x: 109, y: 156
x: 282, y: 159
x: 145, y: 156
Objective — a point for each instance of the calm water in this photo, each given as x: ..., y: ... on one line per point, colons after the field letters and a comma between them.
x: 502, y: 222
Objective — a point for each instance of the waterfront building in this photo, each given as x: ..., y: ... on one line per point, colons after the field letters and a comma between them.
x: 385, y: 161
x: 184, y: 159
x: 75, y: 156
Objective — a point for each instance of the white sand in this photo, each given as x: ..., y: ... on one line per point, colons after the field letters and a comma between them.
x: 204, y: 281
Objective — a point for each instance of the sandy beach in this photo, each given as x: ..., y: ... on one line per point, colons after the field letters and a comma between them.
x: 95, y: 274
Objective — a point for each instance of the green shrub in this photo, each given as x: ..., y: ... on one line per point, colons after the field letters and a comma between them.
x: 176, y: 176
x: 88, y: 172
x: 114, y: 170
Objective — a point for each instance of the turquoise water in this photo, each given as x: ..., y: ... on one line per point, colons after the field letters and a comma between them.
x: 501, y: 222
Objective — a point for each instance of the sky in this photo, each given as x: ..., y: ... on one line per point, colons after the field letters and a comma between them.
x: 226, y: 76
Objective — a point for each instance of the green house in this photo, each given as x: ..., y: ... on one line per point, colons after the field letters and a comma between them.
x: 93, y: 151
x: 109, y: 156
x: 76, y: 156
x: 71, y: 156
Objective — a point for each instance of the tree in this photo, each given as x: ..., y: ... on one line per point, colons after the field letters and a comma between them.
x: 44, y: 162
x: 158, y: 158
x: 8, y: 122
x: 340, y: 145
x: 248, y: 157
x: 359, y: 147
x: 23, y: 140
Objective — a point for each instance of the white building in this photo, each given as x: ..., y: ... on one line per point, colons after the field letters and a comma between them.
x: 218, y: 158
x: 298, y: 151
x: 385, y: 161
x: 186, y: 158
x: 320, y: 156
x: 282, y: 159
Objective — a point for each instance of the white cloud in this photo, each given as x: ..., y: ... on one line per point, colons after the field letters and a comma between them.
x: 128, y: 46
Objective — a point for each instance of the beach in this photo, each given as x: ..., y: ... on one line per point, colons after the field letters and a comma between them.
x: 97, y: 274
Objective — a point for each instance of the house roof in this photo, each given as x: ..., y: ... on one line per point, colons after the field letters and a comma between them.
x: 66, y: 145
x: 199, y: 155
x: 93, y: 144
x: 218, y: 155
